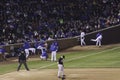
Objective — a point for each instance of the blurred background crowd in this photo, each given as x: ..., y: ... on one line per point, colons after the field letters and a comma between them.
x: 53, y: 19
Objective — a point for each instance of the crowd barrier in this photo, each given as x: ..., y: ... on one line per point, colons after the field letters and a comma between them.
x: 110, y: 36
x: 63, y: 44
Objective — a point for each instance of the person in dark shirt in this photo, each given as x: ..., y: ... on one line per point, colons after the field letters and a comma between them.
x: 22, y: 60
x: 61, y: 67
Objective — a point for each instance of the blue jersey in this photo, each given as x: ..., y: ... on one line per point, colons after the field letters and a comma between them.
x: 98, y: 35
x: 26, y: 45
x: 41, y: 44
x: 36, y: 44
x: 44, y: 53
x: 53, y: 47
x: 2, y: 50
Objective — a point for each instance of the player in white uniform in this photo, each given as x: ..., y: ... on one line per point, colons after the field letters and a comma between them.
x: 82, y: 38
x: 98, y: 39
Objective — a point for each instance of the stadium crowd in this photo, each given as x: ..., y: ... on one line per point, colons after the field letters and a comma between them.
x: 51, y: 19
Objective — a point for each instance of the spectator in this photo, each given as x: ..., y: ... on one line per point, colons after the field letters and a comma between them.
x: 59, y: 18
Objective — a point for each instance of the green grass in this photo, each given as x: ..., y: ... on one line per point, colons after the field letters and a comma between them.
x: 99, y: 58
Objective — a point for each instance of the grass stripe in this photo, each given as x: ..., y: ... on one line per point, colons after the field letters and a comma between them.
x: 92, y: 54
x: 80, y: 57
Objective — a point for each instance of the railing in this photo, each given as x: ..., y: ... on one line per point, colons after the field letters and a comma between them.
x: 70, y: 42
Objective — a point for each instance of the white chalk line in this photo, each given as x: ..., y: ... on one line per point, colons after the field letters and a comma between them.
x: 80, y: 57
x: 93, y: 54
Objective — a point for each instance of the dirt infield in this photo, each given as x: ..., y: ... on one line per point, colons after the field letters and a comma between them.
x: 71, y: 74
x: 90, y: 47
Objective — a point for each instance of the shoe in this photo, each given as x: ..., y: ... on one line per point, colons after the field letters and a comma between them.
x: 63, y: 77
x: 28, y: 70
x: 59, y: 77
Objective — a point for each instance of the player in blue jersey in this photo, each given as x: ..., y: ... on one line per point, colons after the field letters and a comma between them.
x: 53, y: 49
x: 44, y: 55
x: 36, y: 44
x: 98, y: 39
x: 26, y: 47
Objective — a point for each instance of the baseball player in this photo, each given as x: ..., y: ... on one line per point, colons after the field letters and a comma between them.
x: 32, y: 49
x: 53, y: 49
x: 44, y: 55
x: 98, y: 39
x: 36, y: 44
x: 26, y: 47
x: 61, y: 67
x: 41, y: 45
x: 82, y: 38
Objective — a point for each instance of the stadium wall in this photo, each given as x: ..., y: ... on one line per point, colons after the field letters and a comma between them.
x: 110, y: 36
x: 63, y: 44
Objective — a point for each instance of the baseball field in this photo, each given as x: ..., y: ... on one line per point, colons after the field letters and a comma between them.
x: 81, y: 63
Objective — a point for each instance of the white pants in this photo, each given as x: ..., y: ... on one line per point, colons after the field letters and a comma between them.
x: 82, y: 42
x: 53, y: 56
x: 60, y: 70
x: 27, y: 52
x: 98, y: 41
x: 43, y: 57
x: 32, y: 49
x: 40, y: 47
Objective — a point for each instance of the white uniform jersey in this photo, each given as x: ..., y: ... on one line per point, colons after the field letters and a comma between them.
x: 82, y: 34
x: 82, y: 37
